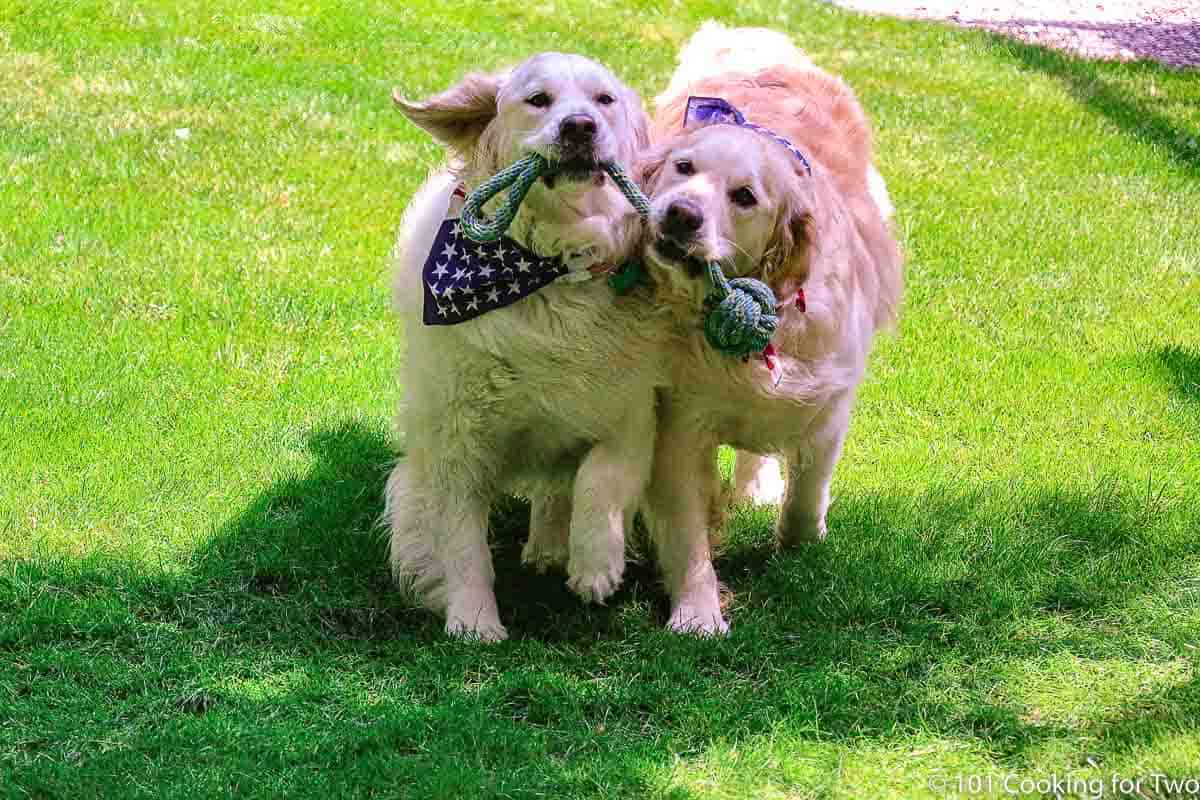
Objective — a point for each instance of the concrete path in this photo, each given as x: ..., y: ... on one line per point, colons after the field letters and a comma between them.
x: 1126, y: 30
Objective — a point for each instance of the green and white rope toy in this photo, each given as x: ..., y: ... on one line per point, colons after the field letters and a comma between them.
x: 741, y: 317
x: 518, y: 178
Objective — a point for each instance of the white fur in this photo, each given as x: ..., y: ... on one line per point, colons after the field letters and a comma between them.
x: 757, y: 480
x: 715, y: 50
x: 553, y: 395
x: 879, y: 193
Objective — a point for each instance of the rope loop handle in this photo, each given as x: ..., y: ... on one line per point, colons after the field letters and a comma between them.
x: 632, y: 192
x: 519, y: 178
x: 520, y: 175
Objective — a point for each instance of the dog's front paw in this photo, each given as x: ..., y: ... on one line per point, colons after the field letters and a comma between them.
x: 544, y: 556
x: 473, y: 616
x: 758, y: 480
x: 578, y: 261
x: 696, y: 620
x: 598, y: 585
x: 476, y: 630
x: 763, y: 491
x: 799, y: 532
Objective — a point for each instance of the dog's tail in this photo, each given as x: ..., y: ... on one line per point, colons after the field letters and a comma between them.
x: 715, y: 50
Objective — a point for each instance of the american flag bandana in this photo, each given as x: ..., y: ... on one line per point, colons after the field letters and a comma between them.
x: 710, y: 110
x: 464, y: 279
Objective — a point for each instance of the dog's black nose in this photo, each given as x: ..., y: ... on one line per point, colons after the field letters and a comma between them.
x: 682, y: 220
x: 577, y: 129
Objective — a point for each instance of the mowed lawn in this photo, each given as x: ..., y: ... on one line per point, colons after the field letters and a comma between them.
x: 198, y: 376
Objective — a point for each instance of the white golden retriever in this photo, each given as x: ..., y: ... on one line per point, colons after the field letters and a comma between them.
x: 822, y: 241
x: 552, y: 396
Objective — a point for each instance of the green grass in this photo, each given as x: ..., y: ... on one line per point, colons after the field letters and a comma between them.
x: 197, y: 374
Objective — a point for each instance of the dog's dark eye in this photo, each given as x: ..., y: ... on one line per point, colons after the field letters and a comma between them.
x: 743, y: 197
x: 605, y: 99
x: 685, y: 167
x: 539, y: 100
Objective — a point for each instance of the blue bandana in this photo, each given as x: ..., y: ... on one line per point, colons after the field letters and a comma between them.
x: 713, y: 110
x: 464, y: 279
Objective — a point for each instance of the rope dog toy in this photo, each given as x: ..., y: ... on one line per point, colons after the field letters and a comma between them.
x: 518, y: 178
x: 741, y: 316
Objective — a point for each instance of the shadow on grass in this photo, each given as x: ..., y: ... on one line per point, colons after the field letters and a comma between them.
x: 305, y: 554
x: 896, y: 626
x: 1174, y: 44
x: 1183, y: 369
x: 309, y: 554
x: 312, y: 546
x: 1138, y: 117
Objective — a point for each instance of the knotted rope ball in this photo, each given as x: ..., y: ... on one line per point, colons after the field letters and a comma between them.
x: 741, y: 316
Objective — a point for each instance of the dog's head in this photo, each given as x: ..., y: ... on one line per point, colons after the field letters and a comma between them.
x: 732, y: 194
x: 568, y: 109
x: 729, y: 194
x: 565, y: 107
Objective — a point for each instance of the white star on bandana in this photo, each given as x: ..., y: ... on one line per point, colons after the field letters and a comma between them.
x: 481, y: 277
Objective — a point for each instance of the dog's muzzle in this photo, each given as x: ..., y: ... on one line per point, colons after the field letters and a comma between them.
x: 678, y: 231
x: 682, y: 220
x: 575, y: 151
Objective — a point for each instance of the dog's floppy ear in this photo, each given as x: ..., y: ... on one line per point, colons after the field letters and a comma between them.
x: 639, y: 123
x: 635, y: 137
x: 649, y: 165
x: 795, y: 235
x: 456, y: 117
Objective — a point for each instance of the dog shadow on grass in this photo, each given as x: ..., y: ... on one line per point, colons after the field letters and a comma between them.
x: 905, y: 620
x: 305, y: 553
x: 1182, y: 368
x: 310, y: 553
x: 305, y: 561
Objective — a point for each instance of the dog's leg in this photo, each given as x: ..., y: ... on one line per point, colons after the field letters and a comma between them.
x: 439, y: 550
x: 757, y: 480
x: 608, y: 485
x: 410, y: 546
x: 467, y: 563
x: 683, y: 491
x: 810, y: 470
x: 549, y: 529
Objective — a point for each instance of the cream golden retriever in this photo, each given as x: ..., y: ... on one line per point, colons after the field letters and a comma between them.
x: 821, y: 240
x: 552, y: 396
